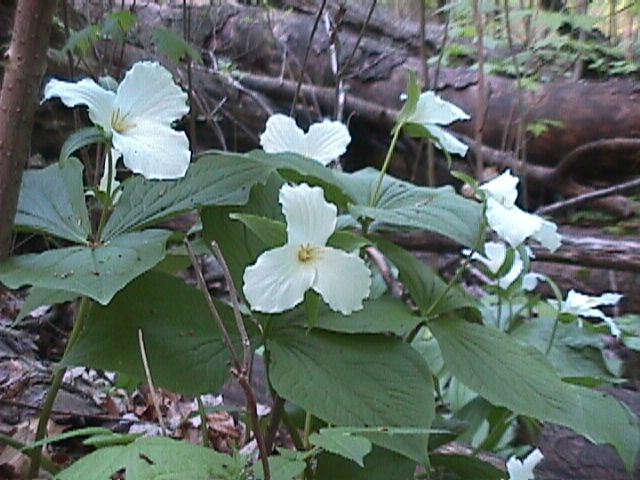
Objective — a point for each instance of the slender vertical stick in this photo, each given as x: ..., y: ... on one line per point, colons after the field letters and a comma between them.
x: 152, y: 388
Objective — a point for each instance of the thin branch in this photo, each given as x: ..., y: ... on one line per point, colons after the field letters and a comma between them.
x: 306, y: 57
x: 152, y: 388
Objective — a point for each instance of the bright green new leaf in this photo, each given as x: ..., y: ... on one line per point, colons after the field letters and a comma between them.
x: 518, y: 376
x: 80, y: 41
x: 119, y: 24
x: 174, y: 46
x: 212, y: 180
x: 404, y: 206
x: 98, y: 272
x: 356, y: 381
x: 52, y: 201
x: 184, y: 346
x: 342, y: 443
x: 154, y: 459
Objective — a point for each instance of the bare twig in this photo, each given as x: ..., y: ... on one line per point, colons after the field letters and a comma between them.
x: 306, y: 56
x: 152, y: 388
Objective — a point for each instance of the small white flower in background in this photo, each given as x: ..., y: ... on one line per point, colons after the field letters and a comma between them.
x: 585, y: 306
x: 431, y: 111
x: 280, y: 277
x: 324, y: 142
x: 496, y: 255
x: 137, y: 118
x: 523, y: 470
x: 509, y: 222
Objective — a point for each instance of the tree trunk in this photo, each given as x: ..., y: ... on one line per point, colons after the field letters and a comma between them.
x: 25, y: 63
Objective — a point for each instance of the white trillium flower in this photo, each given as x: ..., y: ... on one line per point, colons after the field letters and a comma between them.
x: 280, y: 277
x: 324, y: 142
x: 137, y: 117
x: 431, y: 112
x: 585, y: 306
x: 510, y: 222
x: 496, y: 255
x: 523, y: 470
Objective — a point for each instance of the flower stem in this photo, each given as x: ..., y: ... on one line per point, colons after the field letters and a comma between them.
x: 385, y: 165
x: 56, y: 383
x: 307, y: 430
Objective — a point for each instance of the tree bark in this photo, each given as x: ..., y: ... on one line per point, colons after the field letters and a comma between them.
x: 25, y: 64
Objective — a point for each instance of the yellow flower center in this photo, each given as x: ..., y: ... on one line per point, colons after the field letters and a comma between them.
x: 119, y: 122
x: 307, y: 253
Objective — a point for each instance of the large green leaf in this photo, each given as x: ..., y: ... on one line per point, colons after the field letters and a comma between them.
x: 380, y: 464
x: 80, y: 139
x: 341, y: 442
x: 463, y: 467
x: 97, y: 272
x: 44, y: 296
x: 155, y: 459
x: 215, y: 179
x: 428, y: 290
x: 518, y: 376
x: 356, y: 381
x: 404, y: 206
x: 184, y: 346
x: 52, y: 201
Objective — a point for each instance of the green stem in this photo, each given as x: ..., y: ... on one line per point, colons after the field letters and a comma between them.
x: 307, y: 430
x: 56, y: 383
x: 385, y: 165
x: 553, y: 334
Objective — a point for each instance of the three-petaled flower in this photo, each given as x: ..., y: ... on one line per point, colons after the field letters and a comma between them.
x: 324, y: 142
x: 583, y: 305
x: 431, y: 112
x: 509, y: 222
x: 136, y: 118
x: 523, y: 470
x: 280, y: 277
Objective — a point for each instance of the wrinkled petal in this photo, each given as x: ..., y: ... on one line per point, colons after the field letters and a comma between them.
x: 548, y: 236
x: 85, y: 92
x: 432, y: 109
x: 503, y: 189
x: 511, y: 224
x: 326, y: 141
x: 149, y: 92
x: 585, y: 305
x: 282, y: 135
x: 519, y: 470
x: 278, y: 280
x: 154, y: 150
x: 447, y: 141
x: 310, y: 218
x: 343, y: 280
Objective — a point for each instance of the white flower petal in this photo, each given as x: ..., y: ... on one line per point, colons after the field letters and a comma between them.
x: 511, y: 224
x: 512, y: 275
x: 343, y: 280
x: 310, y: 218
x: 282, y: 135
x: 148, y: 92
x: 503, y: 189
x: 104, y: 181
x: 278, y: 280
x: 326, y: 141
x: 433, y: 109
x: 154, y: 150
x: 496, y: 255
x: 524, y: 470
x: 548, y: 236
x: 530, y: 281
x: 447, y: 141
x: 585, y: 305
x: 85, y: 92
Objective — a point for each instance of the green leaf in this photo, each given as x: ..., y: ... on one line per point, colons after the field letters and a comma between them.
x: 427, y: 289
x: 465, y: 467
x: 380, y: 464
x: 119, y: 24
x: 519, y: 377
x: 373, y: 380
x: 80, y: 139
x: 97, y: 272
x: 155, y: 459
x: 44, y: 296
x: 385, y: 314
x: 342, y: 443
x: 174, y: 46
x: 286, y: 466
x: 212, y: 180
x: 82, y: 40
x: 52, y: 201
x: 409, y: 107
x: 404, y: 206
x: 184, y: 346
x: 272, y: 233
